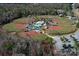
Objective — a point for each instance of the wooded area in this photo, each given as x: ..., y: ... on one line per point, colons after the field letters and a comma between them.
x: 9, y: 12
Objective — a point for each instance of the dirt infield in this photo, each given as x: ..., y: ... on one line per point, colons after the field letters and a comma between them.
x: 54, y: 28
x: 32, y: 33
x: 20, y: 26
x: 28, y: 34
x: 56, y: 20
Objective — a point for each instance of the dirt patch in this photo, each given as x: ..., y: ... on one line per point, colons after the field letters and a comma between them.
x: 54, y: 28
x: 56, y: 20
x: 28, y: 34
x: 20, y: 26
x: 24, y: 34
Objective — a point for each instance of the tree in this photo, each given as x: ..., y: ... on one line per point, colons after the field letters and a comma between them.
x: 77, y: 25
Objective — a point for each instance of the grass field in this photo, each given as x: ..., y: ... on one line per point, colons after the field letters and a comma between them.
x: 42, y: 37
x: 11, y: 27
x: 66, y: 26
x: 64, y: 23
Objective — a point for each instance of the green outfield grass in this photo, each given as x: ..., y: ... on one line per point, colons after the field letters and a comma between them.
x: 42, y: 37
x: 11, y: 27
x: 66, y: 26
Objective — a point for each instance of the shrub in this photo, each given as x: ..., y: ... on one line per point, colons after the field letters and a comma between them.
x: 77, y: 25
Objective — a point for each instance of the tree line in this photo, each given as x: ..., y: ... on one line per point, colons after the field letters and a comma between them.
x: 9, y: 12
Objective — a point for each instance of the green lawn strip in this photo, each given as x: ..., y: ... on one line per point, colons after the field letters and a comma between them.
x: 42, y: 37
